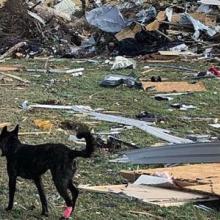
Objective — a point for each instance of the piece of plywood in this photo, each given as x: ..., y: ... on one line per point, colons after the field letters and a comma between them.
x: 128, y: 32
x: 155, y: 25
x: 7, y: 68
x: 198, y: 177
x: 174, y: 86
x: 152, y: 195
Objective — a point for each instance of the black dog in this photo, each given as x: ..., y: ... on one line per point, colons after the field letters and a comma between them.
x: 31, y: 161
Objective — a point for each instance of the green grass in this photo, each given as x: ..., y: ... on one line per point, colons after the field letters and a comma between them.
x: 85, y: 90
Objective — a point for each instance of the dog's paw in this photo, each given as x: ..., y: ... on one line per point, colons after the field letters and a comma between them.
x: 8, y: 209
x: 45, y: 214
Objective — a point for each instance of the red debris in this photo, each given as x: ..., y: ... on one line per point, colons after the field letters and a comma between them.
x: 215, y: 71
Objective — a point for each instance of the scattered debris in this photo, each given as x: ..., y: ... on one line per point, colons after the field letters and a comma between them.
x: 149, y: 117
x: 199, y: 138
x: 157, y: 132
x: 168, y: 96
x: 58, y: 29
x: 147, y: 31
x: 214, y: 71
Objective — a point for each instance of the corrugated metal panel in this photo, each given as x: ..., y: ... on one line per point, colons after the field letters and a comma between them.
x: 178, y: 153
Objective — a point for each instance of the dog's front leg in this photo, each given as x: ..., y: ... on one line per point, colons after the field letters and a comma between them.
x: 43, y: 199
x: 12, y: 188
x: 83, y: 6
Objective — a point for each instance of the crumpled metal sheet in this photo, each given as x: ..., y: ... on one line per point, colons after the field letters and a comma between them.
x: 199, y: 26
x: 122, y: 63
x: 145, y: 16
x: 107, y: 18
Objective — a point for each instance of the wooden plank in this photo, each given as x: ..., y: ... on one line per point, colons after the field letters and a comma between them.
x: 12, y: 50
x: 128, y: 32
x: 174, y: 86
x: 7, y: 68
x: 2, y: 125
x: 177, y: 53
x: 15, y: 77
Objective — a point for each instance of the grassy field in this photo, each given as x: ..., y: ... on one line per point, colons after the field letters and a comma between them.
x: 85, y: 90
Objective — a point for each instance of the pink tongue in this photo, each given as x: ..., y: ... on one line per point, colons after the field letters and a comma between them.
x: 67, y: 212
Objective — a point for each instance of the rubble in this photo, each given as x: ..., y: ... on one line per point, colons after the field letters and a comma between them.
x: 60, y: 30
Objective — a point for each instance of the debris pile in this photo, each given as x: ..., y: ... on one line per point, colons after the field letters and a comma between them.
x: 127, y: 28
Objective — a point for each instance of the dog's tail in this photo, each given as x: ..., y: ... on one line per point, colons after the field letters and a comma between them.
x: 90, y: 145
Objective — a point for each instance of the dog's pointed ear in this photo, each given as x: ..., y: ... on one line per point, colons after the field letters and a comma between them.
x: 15, y: 131
x: 4, y: 130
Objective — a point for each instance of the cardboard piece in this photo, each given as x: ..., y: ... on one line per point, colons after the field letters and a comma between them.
x: 128, y: 32
x: 174, y: 86
x: 152, y: 195
x: 198, y: 177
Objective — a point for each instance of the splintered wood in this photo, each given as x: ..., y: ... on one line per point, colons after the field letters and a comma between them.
x: 174, y: 86
x: 199, y: 177
x: 8, y: 68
